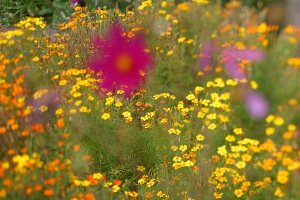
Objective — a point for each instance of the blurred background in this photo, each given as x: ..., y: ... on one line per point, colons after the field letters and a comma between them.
x: 279, y: 12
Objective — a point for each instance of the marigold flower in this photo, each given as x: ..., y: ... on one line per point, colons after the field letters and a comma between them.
x: 60, y: 123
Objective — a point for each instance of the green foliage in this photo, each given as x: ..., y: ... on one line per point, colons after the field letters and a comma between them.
x: 52, y: 10
x: 55, y: 11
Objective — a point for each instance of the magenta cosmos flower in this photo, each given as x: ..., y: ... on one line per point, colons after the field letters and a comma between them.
x: 256, y: 104
x: 206, y: 56
x: 232, y: 56
x: 121, y: 60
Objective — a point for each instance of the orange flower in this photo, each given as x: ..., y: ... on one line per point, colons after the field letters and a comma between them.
x: 28, y: 191
x: 1, y: 172
x: 148, y: 195
x: 25, y: 133
x: 60, y: 123
x: 11, y: 152
x: 2, y: 130
x: 60, y: 143
x: 76, y: 147
x: 65, y: 135
x: 89, y: 196
x: 48, y: 192
x: 91, y: 179
x: 24, y: 150
x: 117, y: 182
x: 37, y: 128
x: 86, y: 157
x: 7, y: 182
x: 50, y: 181
x: 38, y: 187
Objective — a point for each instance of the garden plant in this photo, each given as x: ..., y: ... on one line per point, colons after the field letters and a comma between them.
x: 190, y: 100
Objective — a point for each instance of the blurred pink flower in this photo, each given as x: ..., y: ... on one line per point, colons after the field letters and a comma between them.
x: 206, y: 56
x: 231, y: 57
x: 75, y: 2
x: 256, y: 104
x: 121, y: 60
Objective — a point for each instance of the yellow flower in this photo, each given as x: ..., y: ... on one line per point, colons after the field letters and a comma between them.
x: 222, y: 150
x: 142, y: 180
x: 151, y: 183
x: 84, y: 109
x: 177, y: 159
x: 161, y: 194
x: 90, y: 98
x: 270, y: 118
x: 183, y: 7
x: 147, y: 3
x: 181, y: 39
x: 85, y: 183
x: 62, y: 82
x: 109, y: 101
x: 77, y: 103
x: 267, y: 164
x: 212, y: 126
x: 199, y: 137
x: 163, y: 121
x: 238, y: 131
x: 2, y: 193
x: 202, y: 2
x: 278, y: 121
x: 170, y: 53
x: 59, y: 111
x: 246, y: 157
x: 198, y: 89
x: 270, y: 131
x: 230, y: 138
x: 132, y: 194
x: 292, y: 127
x: 118, y: 103
x: 218, y: 195
x: 77, y: 94
x: 43, y: 108
x: 163, y: 4
x: 147, y: 125
x: 183, y: 148
x: 294, y: 62
x: 38, y: 94
x: 282, y: 176
x: 262, y: 28
x: 174, y: 148
x: 140, y: 168
x: 253, y: 85
x: 115, y: 188
x: 231, y: 82
x: 238, y: 193
x: 35, y: 59
x: 240, y: 165
x: 174, y: 131
x: 105, y: 116
x: 97, y: 176
x: 278, y: 193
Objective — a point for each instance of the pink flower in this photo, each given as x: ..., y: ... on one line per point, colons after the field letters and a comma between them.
x: 256, y: 104
x: 75, y: 1
x: 206, y: 56
x: 232, y: 56
x: 121, y: 60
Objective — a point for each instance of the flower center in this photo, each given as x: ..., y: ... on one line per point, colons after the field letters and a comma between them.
x: 124, y: 63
